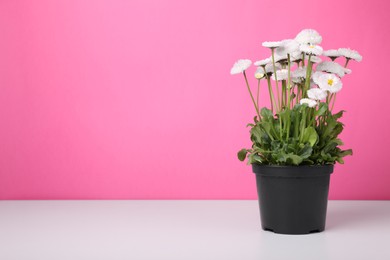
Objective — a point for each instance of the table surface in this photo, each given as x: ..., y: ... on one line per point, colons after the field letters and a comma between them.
x: 184, y: 229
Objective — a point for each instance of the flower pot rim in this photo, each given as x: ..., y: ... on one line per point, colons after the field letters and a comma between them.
x: 292, y: 171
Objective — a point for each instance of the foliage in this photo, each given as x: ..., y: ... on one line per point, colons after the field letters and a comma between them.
x: 298, y: 136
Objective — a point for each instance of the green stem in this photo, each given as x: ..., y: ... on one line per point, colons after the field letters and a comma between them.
x: 283, y: 93
x: 308, y: 75
x: 258, y: 93
x: 288, y: 81
x: 250, y: 92
x: 271, y: 94
x: 303, y: 125
x: 276, y: 78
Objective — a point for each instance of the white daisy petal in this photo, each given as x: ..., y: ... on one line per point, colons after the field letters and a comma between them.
x: 281, y: 75
x: 350, y: 54
x: 272, y: 44
x: 287, y: 47
x: 311, y: 49
x: 299, y: 72
x: 347, y: 71
x: 331, y: 67
x: 296, y: 56
x: 240, y: 66
x: 316, y: 77
x: 332, y: 53
x: 279, y: 58
x: 330, y: 82
x: 308, y: 36
x: 308, y: 101
x: 269, y: 68
x: 313, y: 59
x: 317, y: 93
x: 298, y: 75
x: 262, y: 62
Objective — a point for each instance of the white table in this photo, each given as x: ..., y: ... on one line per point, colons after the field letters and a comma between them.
x: 184, y: 230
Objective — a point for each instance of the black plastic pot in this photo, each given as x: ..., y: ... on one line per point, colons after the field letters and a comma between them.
x: 293, y: 199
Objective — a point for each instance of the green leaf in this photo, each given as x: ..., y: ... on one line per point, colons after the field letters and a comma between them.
x: 338, y: 115
x: 310, y: 135
x: 266, y: 114
x: 254, y: 158
x: 242, y: 154
x: 346, y: 152
x: 322, y: 108
x: 294, y: 159
x: 306, y: 151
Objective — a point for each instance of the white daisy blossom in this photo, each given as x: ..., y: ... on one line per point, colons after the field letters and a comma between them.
x: 332, y: 53
x: 281, y: 75
x: 279, y: 58
x: 298, y: 75
x: 350, y: 54
x: 287, y: 47
x: 331, y: 67
x: 272, y: 44
x: 317, y: 93
x: 259, y: 74
x: 308, y: 101
x: 313, y: 59
x: 311, y: 49
x: 299, y: 72
x: 316, y: 77
x: 262, y: 62
x: 240, y: 66
x: 330, y: 82
x: 296, y: 56
x: 308, y: 36
x: 269, y: 68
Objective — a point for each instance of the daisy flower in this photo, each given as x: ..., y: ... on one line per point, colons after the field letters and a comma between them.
x: 333, y: 54
x: 262, y: 62
x: 298, y: 75
x: 279, y: 58
x: 281, y: 75
x: 296, y: 56
x: 316, y: 77
x: 308, y: 101
x: 331, y: 67
x: 240, y: 66
x: 311, y: 49
x: 330, y: 82
x: 272, y: 45
x: 259, y: 74
x: 317, y: 93
x: 313, y: 59
x: 269, y: 68
x: 287, y: 47
x: 350, y: 54
x: 308, y: 36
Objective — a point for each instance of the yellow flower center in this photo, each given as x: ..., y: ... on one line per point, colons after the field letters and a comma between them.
x: 259, y: 75
x: 330, y: 82
x: 311, y: 46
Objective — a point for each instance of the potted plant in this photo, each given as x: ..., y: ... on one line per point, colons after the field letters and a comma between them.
x: 295, y: 142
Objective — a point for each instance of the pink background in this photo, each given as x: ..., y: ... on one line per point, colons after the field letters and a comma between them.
x: 134, y: 100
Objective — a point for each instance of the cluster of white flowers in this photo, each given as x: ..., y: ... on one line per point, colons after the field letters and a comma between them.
x: 302, y: 52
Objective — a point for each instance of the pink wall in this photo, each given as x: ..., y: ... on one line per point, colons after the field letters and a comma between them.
x: 134, y: 100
